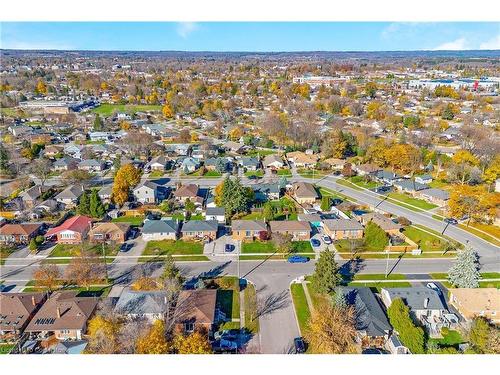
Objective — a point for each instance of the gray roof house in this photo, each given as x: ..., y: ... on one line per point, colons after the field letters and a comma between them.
x: 65, y: 163
x: 386, y: 176
x: 160, y: 230
x: 141, y: 304
x: 200, y: 229
x: 216, y: 213
x: 150, y: 192
x: 264, y: 192
x: 250, y: 163
x: 70, y: 195
x: 91, y: 165
x: 434, y: 195
x: 410, y: 186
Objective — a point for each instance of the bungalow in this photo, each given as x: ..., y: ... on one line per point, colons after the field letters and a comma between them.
x: 371, y: 324
x: 299, y: 230
x: 424, y: 179
x: 233, y: 147
x: 150, y: 192
x: 198, y: 310
x: 334, y: 163
x: 63, y: 315
x: 382, y: 221
x: 66, y: 163
x: 159, y: 163
x: 410, y: 186
x: 16, y: 310
x: 366, y: 169
x: 343, y: 228
x: 91, y: 165
x: 30, y: 197
x: 51, y: 151
x: 72, y: 231
x: 105, y: 193
x: 248, y: 230
x: 156, y: 230
x: 99, y: 136
x: 188, y: 191
x: 190, y: 165
x: 472, y: 303
x: 200, y: 230
x: 304, y: 192
x: 213, y: 164
x: 69, y: 196
x: 386, y: 177
x: 18, y: 233
x: 249, y: 163
x: 435, y: 195
x: 141, y: 304
x: 112, y: 232
x: 313, y: 219
x: 302, y: 160
x: 264, y: 192
x: 216, y: 213
x: 273, y: 161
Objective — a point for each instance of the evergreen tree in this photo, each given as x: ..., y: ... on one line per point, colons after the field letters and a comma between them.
x: 465, y: 272
x: 375, y: 237
x: 325, y: 203
x: 84, y: 204
x: 96, y: 208
x: 33, y: 245
x: 98, y: 124
x: 411, y: 336
x: 326, y: 276
x: 268, y: 211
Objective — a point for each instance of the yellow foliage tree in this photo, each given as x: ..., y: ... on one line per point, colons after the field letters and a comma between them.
x: 102, y: 334
x: 145, y: 283
x: 465, y: 157
x: 126, y: 177
x: 125, y: 125
x: 194, y: 137
x: 195, y: 343
x: 167, y: 111
x: 154, y: 341
x: 473, y: 201
x: 235, y: 133
x: 218, y: 194
x: 41, y: 87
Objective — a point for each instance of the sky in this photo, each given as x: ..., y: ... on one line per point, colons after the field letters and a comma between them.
x: 250, y: 36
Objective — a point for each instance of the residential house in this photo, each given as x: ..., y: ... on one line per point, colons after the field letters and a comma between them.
x: 109, y: 232
x: 47, y: 207
x: 273, y: 161
x: 189, y: 165
x: 410, y: 186
x: 188, y: 191
x: 105, y: 193
x: 334, y: 163
x: 198, y: 310
x: 73, y: 231
x: 159, y: 163
x: 31, y: 196
x: 472, y: 303
x: 424, y: 179
x: 66, y: 163
x: 249, y: 163
x: 298, y: 230
x: 436, y: 196
x: 248, y: 230
x: 233, y: 147
x: 211, y: 164
x: 389, y: 226
x: 304, y: 192
x: 70, y: 347
x: 266, y: 191
x: 51, y: 151
x: 216, y: 213
x: 135, y: 304
x: 16, y: 310
x: 339, y: 229
x: 366, y: 169
x: 394, y: 345
x: 314, y: 219
x: 69, y: 196
x: 91, y: 165
x: 63, y: 315
x: 371, y: 323
x: 156, y: 230
x: 18, y: 233
x: 302, y: 160
x: 150, y: 192
x: 386, y: 177
x: 200, y: 230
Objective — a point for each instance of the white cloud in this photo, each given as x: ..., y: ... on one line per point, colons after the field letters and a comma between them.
x: 493, y: 43
x: 454, y: 45
x: 186, y: 28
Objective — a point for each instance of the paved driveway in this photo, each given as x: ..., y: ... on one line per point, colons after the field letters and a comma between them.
x: 218, y: 247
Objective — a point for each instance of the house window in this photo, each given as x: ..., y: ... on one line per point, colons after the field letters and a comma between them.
x: 188, y: 327
x: 247, y: 233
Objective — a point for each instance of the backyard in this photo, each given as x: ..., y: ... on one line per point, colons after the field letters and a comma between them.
x: 132, y: 220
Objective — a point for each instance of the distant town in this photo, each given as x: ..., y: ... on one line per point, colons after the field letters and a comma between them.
x: 198, y: 203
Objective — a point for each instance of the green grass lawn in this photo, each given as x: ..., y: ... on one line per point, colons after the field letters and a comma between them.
x: 257, y: 173
x: 361, y: 182
x: 426, y: 241
x: 178, y: 247
x: 61, y: 250
x: 109, y: 109
x: 228, y: 296
x: 253, y: 216
x: 157, y: 174
x: 251, y: 319
x: 300, y: 303
x: 6, y: 348
x: 257, y: 247
x: 5, y: 252
x: 376, y: 286
x: 261, y: 153
x: 419, y: 203
x: 450, y: 338
x: 438, y: 184
x: 284, y: 172
x: 312, y: 173
x: 132, y: 220
x: 378, y: 276
x: 334, y: 194
x: 341, y: 181
x: 212, y: 174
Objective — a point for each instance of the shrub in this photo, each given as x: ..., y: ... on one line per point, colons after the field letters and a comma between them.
x: 375, y: 237
x: 411, y: 336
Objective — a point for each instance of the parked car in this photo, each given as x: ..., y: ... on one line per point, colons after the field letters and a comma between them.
x: 228, y: 248
x: 227, y: 334
x: 126, y: 247
x: 223, y: 345
x: 315, y: 242
x: 298, y: 259
x: 451, y: 221
x: 300, y: 346
x: 326, y: 239
x: 433, y: 287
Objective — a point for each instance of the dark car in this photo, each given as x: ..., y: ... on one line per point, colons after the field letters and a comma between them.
x: 298, y: 259
x: 126, y: 247
x: 300, y: 346
x: 451, y: 221
x: 315, y: 242
x: 228, y: 248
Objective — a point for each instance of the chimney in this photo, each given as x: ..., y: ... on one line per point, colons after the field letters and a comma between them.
x: 33, y: 300
x: 426, y: 303
x: 58, y: 310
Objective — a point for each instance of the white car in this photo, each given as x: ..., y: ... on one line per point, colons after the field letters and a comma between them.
x: 327, y: 239
x: 433, y: 287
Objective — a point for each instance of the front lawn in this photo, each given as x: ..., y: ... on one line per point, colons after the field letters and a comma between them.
x: 172, y: 247
x: 257, y: 247
x: 361, y: 182
x: 312, y: 173
x: 61, y: 250
x: 251, y: 318
x: 228, y: 298
x: 300, y: 304
x: 109, y: 109
x: 93, y: 290
x: 378, y: 276
x: 419, y: 203
x: 132, y: 220
x: 157, y: 174
x: 212, y: 174
x: 426, y: 241
x: 261, y: 153
x: 378, y: 285
x: 5, y: 252
x: 334, y: 194
x: 257, y: 173
x: 6, y: 348
x: 284, y: 172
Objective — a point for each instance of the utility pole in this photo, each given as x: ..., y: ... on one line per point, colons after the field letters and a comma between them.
x: 238, y: 264
x: 105, y: 263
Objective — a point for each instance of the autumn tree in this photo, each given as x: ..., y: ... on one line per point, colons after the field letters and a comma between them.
x: 103, y: 332
x: 167, y: 111
x: 282, y: 243
x: 154, y: 341
x: 126, y: 178
x: 375, y: 238
x: 47, y: 276
x: 41, y: 87
x: 331, y: 330
x: 473, y: 201
x: 85, y: 270
x: 41, y: 168
x: 194, y: 343
x: 145, y: 283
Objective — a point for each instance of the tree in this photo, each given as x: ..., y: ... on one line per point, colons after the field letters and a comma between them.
x: 268, y: 211
x: 472, y: 201
x: 194, y: 343
x: 47, y: 276
x: 154, y: 341
x: 371, y: 89
x: 126, y: 177
x: 98, y: 123
x: 41, y: 168
x: 167, y: 111
x: 331, y: 330
x: 85, y: 270
x: 375, y: 237
x: 282, y: 243
x: 465, y: 272
x: 233, y: 196
x: 96, y: 208
x: 411, y: 336
x: 189, y: 206
x: 41, y: 88
x: 447, y: 113
x: 103, y: 335
x: 326, y: 276
x: 84, y: 204
x: 145, y: 283
x: 220, y: 165
x: 33, y: 246
x: 325, y: 203
x: 170, y: 271
x: 479, y: 333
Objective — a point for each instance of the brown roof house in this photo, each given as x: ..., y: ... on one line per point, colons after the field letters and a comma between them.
x: 477, y: 302
x: 248, y: 230
x: 113, y: 232
x: 198, y: 310
x: 304, y: 192
x: 189, y: 191
x: 339, y: 229
x: 299, y: 230
x: 382, y: 221
x: 18, y: 233
x: 16, y: 310
x: 64, y: 315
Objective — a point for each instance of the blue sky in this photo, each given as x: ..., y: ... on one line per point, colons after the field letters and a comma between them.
x: 250, y: 36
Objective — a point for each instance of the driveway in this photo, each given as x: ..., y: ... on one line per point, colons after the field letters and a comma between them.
x: 218, y: 247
